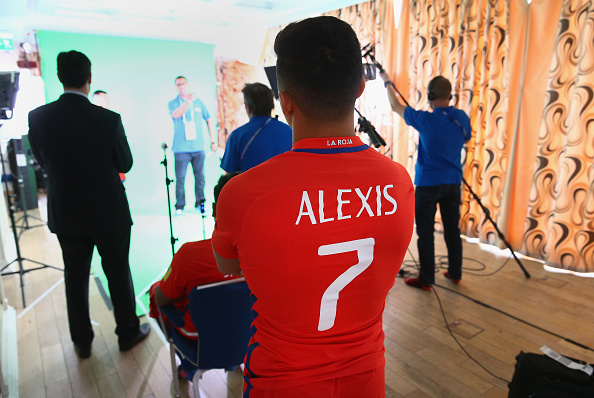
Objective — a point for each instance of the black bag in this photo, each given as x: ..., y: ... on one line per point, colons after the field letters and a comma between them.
x: 538, y: 376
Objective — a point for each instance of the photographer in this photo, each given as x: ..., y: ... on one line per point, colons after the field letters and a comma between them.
x: 438, y: 175
x: 262, y: 138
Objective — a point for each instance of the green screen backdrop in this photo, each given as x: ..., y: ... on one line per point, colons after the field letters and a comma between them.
x: 138, y: 76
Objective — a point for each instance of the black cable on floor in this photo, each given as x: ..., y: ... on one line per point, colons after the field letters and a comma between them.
x: 406, y: 265
x: 516, y: 318
x: 460, y: 345
x: 443, y: 265
x: 448, y: 326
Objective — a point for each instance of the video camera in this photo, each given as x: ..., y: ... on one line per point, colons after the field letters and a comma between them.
x: 366, y: 127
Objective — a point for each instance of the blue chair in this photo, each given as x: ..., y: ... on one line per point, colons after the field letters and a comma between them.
x: 221, y: 314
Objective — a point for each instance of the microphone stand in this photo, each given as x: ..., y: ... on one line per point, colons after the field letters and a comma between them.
x: 167, y: 183
x: 203, y: 214
x: 474, y: 195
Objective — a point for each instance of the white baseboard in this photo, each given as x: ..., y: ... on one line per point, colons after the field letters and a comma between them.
x: 9, y: 360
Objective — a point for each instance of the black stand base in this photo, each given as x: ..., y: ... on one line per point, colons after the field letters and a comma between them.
x: 22, y: 271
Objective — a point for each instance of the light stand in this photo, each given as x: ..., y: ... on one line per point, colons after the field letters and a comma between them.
x: 19, y: 259
x: 167, y: 183
x: 369, y: 53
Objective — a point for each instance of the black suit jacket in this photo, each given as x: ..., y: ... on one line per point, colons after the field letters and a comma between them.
x: 82, y: 147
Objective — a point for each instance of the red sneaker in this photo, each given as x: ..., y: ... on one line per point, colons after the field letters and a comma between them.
x: 447, y: 275
x: 414, y: 282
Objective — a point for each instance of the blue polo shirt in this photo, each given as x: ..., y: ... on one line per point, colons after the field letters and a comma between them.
x: 440, y: 144
x: 274, y: 138
x: 196, y: 112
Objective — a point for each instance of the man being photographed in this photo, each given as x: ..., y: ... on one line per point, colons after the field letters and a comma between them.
x: 188, y: 112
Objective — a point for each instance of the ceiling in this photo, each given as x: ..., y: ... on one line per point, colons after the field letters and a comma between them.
x: 232, y: 24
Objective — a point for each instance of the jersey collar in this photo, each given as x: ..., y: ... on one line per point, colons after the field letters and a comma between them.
x: 330, y: 145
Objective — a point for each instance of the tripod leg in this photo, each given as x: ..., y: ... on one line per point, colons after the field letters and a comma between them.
x: 22, y: 274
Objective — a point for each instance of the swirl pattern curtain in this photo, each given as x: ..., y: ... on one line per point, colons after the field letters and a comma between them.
x: 560, y: 221
x: 467, y: 42
x: 536, y: 182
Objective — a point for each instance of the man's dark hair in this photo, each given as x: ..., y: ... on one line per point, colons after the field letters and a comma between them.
x: 258, y: 98
x: 180, y: 77
x: 74, y: 69
x: 222, y: 181
x: 440, y: 87
x: 97, y: 92
x: 319, y: 65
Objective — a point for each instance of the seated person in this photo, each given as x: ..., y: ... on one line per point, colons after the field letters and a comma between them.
x: 193, y: 265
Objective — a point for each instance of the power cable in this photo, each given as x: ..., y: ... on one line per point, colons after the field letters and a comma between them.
x: 458, y: 342
x: 405, y: 272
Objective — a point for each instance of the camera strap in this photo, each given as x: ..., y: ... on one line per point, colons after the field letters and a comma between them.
x: 253, y: 137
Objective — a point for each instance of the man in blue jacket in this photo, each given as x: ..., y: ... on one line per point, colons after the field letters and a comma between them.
x: 260, y: 139
x: 438, y: 175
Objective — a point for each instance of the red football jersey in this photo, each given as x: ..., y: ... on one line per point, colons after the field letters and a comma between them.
x: 320, y: 233
x: 193, y: 265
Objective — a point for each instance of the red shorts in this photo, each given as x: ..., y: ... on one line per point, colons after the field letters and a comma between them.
x: 369, y: 384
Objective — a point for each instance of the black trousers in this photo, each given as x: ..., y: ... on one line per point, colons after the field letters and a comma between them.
x: 182, y: 160
x: 426, y: 200
x: 77, y: 252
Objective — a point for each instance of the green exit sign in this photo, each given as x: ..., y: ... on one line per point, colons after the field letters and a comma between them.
x: 6, y: 42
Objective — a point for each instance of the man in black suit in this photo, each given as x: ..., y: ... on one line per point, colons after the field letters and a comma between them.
x: 82, y: 147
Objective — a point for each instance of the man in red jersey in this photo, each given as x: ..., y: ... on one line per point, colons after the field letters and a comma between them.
x: 192, y: 265
x: 320, y: 231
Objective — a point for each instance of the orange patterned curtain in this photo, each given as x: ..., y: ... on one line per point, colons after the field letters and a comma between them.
x: 467, y: 42
x: 231, y: 77
x: 560, y: 221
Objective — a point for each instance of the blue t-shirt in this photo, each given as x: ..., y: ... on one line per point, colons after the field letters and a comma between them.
x: 274, y: 138
x: 440, y: 144
x: 195, y: 113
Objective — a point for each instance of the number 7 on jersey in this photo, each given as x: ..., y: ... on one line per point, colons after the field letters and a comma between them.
x: 364, y: 249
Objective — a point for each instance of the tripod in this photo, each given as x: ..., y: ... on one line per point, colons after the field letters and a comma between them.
x: 369, y: 53
x: 167, y: 183
x: 19, y: 259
